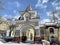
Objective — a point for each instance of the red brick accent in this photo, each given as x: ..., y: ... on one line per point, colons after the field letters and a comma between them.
x: 37, y: 40
x: 17, y: 39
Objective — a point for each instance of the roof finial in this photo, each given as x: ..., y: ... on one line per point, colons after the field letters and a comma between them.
x: 29, y: 8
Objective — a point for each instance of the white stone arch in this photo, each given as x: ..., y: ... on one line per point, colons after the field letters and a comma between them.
x: 29, y: 30
x: 26, y: 25
x: 49, y: 29
x: 50, y: 35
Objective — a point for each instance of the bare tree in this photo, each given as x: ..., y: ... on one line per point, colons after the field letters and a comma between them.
x: 54, y: 14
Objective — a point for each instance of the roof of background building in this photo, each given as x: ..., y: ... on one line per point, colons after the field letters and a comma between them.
x: 50, y: 23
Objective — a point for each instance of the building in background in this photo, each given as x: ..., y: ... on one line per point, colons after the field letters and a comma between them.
x: 50, y: 30
x: 4, y: 27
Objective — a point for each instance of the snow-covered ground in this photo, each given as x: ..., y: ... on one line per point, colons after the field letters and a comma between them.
x: 2, y: 42
x: 11, y: 43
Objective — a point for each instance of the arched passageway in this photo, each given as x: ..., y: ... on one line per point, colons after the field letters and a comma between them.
x: 27, y: 33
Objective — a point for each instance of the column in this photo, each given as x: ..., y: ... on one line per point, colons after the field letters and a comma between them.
x: 28, y: 36
x: 7, y: 32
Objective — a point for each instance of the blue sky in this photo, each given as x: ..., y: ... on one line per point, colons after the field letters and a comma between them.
x: 12, y: 8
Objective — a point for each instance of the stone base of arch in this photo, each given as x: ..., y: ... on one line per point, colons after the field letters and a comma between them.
x: 37, y: 40
x: 17, y: 39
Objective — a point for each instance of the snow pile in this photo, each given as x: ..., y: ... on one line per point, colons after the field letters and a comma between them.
x: 1, y: 42
x: 11, y: 43
x: 45, y: 42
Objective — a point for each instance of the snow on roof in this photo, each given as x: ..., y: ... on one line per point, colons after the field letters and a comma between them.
x: 50, y: 23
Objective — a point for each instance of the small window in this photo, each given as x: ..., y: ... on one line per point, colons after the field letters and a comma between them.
x: 17, y: 33
x: 51, y: 30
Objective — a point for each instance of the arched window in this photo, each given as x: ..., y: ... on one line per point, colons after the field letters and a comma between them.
x: 27, y: 18
x: 51, y: 30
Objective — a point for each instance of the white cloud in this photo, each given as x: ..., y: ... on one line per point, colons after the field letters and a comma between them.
x: 40, y: 4
x: 44, y: 1
x: 55, y: 3
x: 7, y: 16
x: 44, y: 21
x: 57, y: 14
x: 58, y: 8
x: 48, y: 13
x: 16, y: 16
x: 15, y: 12
x: 10, y: 16
x: 17, y: 4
